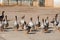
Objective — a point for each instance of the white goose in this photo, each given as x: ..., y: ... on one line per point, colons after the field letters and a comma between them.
x: 16, y: 25
x: 46, y: 25
x: 42, y: 24
x: 31, y: 24
x: 56, y: 20
x: 37, y: 23
x: 22, y: 22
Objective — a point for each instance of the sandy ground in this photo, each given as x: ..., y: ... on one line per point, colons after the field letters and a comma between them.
x: 42, y: 12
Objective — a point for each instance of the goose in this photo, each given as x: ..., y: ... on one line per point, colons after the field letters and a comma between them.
x: 6, y: 24
x: 42, y: 24
x: 47, y: 22
x: 46, y: 25
x: 16, y: 25
x: 56, y: 22
x: 22, y: 22
x: 30, y: 25
x: 37, y: 23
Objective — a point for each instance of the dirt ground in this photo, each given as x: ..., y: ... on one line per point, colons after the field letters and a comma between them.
x: 20, y: 11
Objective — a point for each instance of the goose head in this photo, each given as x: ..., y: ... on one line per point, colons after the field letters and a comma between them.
x: 38, y: 17
x: 23, y: 17
x: 31, y: 19
x: 43, y: 20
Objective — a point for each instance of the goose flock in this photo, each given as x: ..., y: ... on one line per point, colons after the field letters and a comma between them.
x: 30, y: 25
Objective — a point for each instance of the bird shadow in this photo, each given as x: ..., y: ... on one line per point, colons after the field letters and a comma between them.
x: 35, y: 30
x: 20, y: 30
x: 32, y: 33
x: 8, y: 28
x: 49, y: 31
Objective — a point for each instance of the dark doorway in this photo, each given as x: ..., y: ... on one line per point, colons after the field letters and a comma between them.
x: 42, y: 3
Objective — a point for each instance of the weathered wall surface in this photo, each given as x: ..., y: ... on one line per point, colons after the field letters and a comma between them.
x: 49, y: 3
x: 56, y: 3
x: 36, y: 3
x: 14, y: 2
